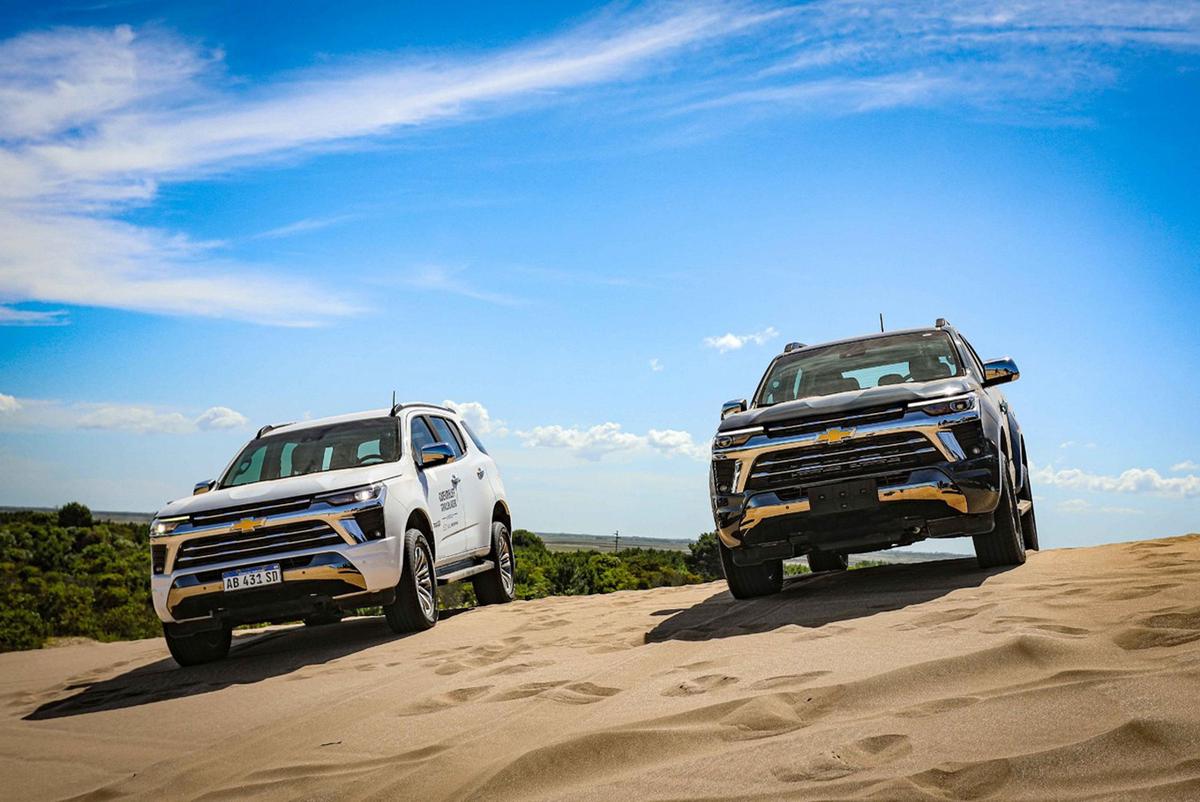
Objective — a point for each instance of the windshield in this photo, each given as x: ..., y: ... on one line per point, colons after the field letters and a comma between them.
x: 320, y: 448
x: 875, y: 362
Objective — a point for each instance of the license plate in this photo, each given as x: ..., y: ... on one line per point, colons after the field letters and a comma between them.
x: 857, y: 494
x: 257, y: 577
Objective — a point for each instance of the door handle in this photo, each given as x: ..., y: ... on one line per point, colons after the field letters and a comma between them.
x: 479, y: 473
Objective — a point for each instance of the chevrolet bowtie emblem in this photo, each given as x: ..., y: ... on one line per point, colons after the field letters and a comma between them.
x: 834, y: 435
x: 248, y: 524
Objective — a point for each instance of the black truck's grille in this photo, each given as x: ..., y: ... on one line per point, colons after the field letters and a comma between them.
x: 845, y: 460
x: 819, y: 423
x: 723, y: 474
x: 256, y: 543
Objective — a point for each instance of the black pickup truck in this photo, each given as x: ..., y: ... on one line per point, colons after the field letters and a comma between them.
x: 866, y: 444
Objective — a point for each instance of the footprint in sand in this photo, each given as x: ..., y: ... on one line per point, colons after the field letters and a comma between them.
x: 698, y: 685
x: 832, y: 764
x: 445, y: 700
x: 575, y: 693
x: 965, y: 780
x: 787, y: 680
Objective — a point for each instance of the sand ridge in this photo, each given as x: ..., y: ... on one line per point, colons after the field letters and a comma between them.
x: 1074, y: 676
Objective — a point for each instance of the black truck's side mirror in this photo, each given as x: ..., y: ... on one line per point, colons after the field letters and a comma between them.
x: 1000, y: 371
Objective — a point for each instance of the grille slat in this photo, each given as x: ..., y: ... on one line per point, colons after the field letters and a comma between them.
x: 226, y: 514
x: 846, y: 460
x: 819, y: 423
x: 260, y: 543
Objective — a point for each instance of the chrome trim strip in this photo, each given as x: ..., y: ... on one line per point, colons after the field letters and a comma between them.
x: 343, y: 571
x: 232, y: 554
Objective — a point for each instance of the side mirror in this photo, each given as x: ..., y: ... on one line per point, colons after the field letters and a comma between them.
x: 733, y: 407
x: 436, y: 454
x: 203, y: 487
x: 1000, y: 371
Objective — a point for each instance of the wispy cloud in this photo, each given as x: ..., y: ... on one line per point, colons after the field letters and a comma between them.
x: 453, y: 280
x: 92, y: 121
x: 1186, y: 465
x: 302, y: 227
x: 732, y: 342
x: 656, y: 366
x: 10, y: 316
x: 1078, y: 505
x: 26, y: 413
x: 609, y: 438
x: 1133, y: 480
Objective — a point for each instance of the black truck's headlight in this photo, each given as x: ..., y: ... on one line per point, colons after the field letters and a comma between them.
x: 351, y: 495
x: 735, y: 438
x: 946, y: 406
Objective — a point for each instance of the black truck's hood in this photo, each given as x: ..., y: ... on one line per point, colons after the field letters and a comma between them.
x: 847, y: 402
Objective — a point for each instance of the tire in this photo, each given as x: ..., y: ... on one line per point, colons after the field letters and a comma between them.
x: 1028, y: 520
x: 415, y: 608
x: 323, y: 619
x: 1004, y: 545
x: 200, y: 648
x: 819, y: 561
x: 498, y: 586
x: 751, y: 581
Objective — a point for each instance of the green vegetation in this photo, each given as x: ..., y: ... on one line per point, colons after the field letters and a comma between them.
x: 63, y: 574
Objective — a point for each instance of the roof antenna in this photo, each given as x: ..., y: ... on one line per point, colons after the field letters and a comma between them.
x: 881, y: 321
x: 393, y: 399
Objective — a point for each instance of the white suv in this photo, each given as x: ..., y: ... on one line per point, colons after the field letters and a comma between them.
x: 322, y: 516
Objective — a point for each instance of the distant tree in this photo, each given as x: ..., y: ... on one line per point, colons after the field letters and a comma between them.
x: 705, y: 558
x: 74, y: 514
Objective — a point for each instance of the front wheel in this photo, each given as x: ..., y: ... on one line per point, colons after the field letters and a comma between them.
x: 202, y: 647
x: 750, y: 581
x: 498, y: 585
x: 415, y: 607
x: 1004, y: 545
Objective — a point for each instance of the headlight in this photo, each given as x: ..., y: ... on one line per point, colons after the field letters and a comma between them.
x: 946, y: 406
x: 735, y: 438
x: 161, y: 527
x: 351, y: 495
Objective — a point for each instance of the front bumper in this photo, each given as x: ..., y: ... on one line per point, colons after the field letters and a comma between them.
x: 340, y: 567
x: 952, y: 492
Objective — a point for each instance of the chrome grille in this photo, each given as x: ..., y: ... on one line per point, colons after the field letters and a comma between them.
x: 848, y: 459
x: 264, y: 542
x: 258, y: 510
x: 819, y: 423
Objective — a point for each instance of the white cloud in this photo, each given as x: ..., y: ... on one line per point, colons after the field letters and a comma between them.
x: 1133, y: 480
x: 27, y: 413
x: 221, y: 418
x: 301, y: 226
x: 93, y: 120
x: 732, y: 342
x: 1186, y: 465
x: 608, y: 438
x: 656, y: 365
x: 478, y: 418
x: 30, y: 317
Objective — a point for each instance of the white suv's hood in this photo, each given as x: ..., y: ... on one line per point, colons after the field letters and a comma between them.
x: 291, y: 487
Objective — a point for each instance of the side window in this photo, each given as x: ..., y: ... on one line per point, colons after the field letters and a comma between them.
x: 447, y: 435
x: 421, y: 436
x: 474, y: 438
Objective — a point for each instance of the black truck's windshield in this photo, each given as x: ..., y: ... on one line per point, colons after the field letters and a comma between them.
x: 857, y: 365
x: 315, y: 449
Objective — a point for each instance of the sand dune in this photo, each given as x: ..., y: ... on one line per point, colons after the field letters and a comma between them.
x: 1075, y: 676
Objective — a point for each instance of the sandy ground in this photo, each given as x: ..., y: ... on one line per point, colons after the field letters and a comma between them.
x: 1075, y: 676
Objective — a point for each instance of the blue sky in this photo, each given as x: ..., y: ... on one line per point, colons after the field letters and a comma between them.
x: 592, y: 225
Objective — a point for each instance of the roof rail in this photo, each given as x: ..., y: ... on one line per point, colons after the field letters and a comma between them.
x: 942, y: 323
x: 787, y: 349
x: 271, y: 426
x: 398, y: 407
